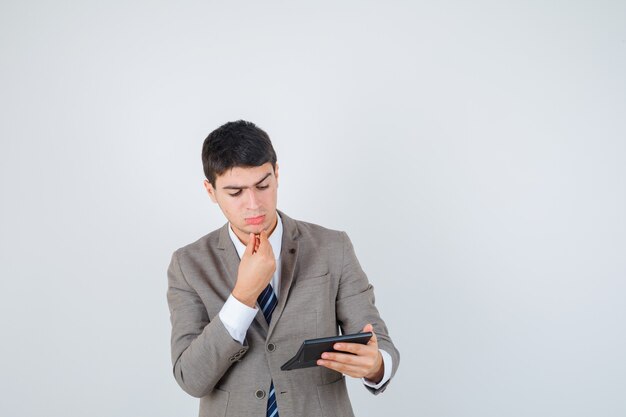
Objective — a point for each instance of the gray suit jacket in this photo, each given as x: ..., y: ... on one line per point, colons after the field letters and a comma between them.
x: 323, y: 289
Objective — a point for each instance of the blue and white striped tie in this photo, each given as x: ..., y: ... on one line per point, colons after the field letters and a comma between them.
x: 267, y: 301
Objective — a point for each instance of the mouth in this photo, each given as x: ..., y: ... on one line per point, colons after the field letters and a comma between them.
x: 255, y: 220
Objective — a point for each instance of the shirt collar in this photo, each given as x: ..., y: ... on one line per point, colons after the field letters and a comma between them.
x: 276, y: 239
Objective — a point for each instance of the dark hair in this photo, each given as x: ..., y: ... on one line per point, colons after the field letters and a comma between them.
x: 236, y: 144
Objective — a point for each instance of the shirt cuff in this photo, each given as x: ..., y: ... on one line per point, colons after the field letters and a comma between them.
x: 387, y: 363
x: 237, y: 317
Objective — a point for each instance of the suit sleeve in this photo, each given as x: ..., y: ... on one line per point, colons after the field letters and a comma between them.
x: 202, y: 350
x: 356, y: 307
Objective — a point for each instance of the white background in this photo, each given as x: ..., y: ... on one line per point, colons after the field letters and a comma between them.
x: 473, y: 151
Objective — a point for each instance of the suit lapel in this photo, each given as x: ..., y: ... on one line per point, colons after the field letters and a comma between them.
x: 231, y: 260
x: 288, y: 257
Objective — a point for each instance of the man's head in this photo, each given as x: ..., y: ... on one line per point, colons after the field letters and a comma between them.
x: 236, y: 144
x: 242, y: 176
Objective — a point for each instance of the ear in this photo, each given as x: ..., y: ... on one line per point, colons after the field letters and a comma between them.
x: 210, y: 190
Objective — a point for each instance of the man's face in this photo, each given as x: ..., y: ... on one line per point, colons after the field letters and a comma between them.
x: 247, y: 197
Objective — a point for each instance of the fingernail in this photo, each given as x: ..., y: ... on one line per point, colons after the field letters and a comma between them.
x: 338, y: 346
x: 325, y: 355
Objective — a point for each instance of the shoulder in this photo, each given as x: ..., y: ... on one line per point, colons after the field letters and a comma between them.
x: 200, y: 247
x: 315, y: 230
x: 314, y: 234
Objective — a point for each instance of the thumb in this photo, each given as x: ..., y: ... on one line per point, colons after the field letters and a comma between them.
x: 263, y: 241
x: 369, y: 328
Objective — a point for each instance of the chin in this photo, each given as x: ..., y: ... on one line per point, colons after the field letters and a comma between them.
x: 256, y: 228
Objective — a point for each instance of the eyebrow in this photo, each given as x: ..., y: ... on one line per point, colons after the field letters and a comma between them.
x: 239, y: 187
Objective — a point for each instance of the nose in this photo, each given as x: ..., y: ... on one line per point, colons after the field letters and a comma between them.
x: 252, y: 199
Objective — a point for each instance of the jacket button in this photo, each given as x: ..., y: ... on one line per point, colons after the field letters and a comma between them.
x: 271, y: 347
x: 260, y: 394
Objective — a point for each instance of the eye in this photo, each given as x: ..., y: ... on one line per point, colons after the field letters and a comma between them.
x: 235, y: 194
x: 262, y: 187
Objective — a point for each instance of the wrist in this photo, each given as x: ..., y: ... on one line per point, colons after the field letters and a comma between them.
x: 377, y: 375
x: 249, y: 301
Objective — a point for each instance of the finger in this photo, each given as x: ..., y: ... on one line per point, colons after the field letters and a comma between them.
x: 373, y: 340
x: 264, y: 244
x: 264, y: 237
x: 349, y: 370
x: 259, y: 240
x: 348, y: 359
x: 250, y: 248
x: 354, y: 348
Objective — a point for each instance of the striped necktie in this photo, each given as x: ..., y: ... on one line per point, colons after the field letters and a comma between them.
x: 267, y: 301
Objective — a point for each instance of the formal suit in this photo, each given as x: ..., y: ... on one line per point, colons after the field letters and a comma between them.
x: 322, y: 289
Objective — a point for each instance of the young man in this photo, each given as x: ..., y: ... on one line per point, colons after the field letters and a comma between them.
x: 244, y: 297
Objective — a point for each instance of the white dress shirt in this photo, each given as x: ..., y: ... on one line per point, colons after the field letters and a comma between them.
x: 237, y: 317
